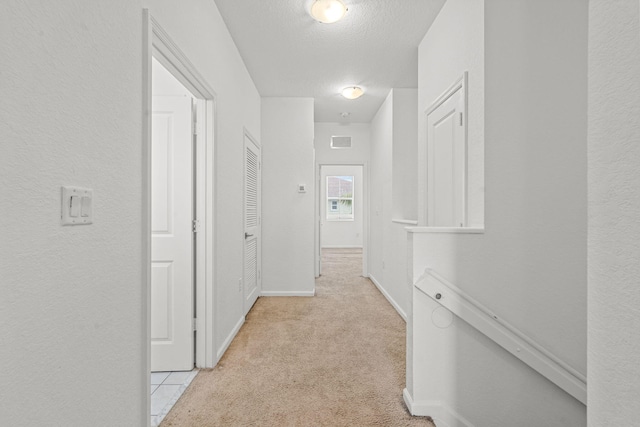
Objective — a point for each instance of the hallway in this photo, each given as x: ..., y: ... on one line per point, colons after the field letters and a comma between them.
x: 335, y: 359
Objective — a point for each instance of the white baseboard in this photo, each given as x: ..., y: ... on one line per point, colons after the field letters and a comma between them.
x: 388, y: 297
x: 442, y: 415
x: 288, y: 293
x: 230, y: 337
x: 341, y: 247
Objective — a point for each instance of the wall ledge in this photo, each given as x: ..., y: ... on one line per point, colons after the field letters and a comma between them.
x: 405, y: 221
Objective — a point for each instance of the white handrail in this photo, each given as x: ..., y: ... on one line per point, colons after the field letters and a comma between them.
x: 503, y: 333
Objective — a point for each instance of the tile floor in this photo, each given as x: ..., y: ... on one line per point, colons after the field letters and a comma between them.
x: 166, y: 389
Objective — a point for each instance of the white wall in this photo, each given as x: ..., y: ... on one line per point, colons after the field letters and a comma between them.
x: 71, y: 107
x: 404, y: 154
x: 393, y: 183
x: 287, y: 216
x: 199, y: 31
x: 529, y: 267
x: 381, y: 204
x: 342, y: 234
x: 455, y: 44
x: 71, y: 316
x: 614, y: 203
x: 360, y: 134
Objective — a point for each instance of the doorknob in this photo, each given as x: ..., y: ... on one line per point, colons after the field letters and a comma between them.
x: 247, y: 235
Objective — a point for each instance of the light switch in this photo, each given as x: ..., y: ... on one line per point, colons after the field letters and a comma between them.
x: 74, y: 206
x: 77, y: 206
x: 85, y: 209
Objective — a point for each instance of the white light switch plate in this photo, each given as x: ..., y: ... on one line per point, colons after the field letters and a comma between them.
x: 81, y: 212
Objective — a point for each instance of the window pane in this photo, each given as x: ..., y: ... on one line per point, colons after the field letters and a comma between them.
x: 346, y: 206
x: 340, y: 198
x: 333, y: 186
x: 346, y: 186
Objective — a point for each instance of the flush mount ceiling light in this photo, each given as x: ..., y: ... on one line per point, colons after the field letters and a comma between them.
x: 352, y: 92
x: 328, y: 11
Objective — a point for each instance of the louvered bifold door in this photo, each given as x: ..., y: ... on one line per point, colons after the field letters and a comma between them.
x: 252, y: 178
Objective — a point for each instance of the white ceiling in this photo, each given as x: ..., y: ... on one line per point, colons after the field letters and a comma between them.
x: 289, y: 54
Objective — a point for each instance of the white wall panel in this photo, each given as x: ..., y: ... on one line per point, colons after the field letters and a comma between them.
x: 288, y: 216
x: 529, y: 266
x: 614, y: 206
x: 71, y: 305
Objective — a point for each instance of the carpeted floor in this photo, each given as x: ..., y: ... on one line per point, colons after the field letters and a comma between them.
x: 337, y: 359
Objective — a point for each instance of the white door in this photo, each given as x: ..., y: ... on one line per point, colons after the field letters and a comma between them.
x: 172, y: 234
x: 446, y: 145
x: 252, y: 242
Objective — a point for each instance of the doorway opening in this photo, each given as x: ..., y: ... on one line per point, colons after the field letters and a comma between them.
x: 178, y: 216
x: 342, y: 213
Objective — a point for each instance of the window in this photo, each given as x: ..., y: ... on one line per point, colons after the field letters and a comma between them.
x: 340, y: 198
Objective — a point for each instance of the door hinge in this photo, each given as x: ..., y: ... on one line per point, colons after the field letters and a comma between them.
x: 195, y: 325
x: 196, y: 225
x: 461, y: 119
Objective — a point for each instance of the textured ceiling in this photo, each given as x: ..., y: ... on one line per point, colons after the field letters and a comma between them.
x: 289, y: 54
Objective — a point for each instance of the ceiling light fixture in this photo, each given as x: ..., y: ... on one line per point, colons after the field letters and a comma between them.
x: 352, y: 92
x: 328, y: 11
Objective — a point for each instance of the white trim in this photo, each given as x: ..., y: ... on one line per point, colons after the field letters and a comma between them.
x: 227, y: 342
x: 288, y: 293
x: 442, y: 415
x: 341, y: 247
x: 173, y: 59
x: 389, y: 298
x: 208, y: 334
x: 450, y: 230
x: 146, y: 217
x: 460, y: 83
x: 503, y: 334
x: 405, y: 221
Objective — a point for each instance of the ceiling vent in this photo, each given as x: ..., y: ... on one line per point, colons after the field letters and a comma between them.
x: 340, y: 142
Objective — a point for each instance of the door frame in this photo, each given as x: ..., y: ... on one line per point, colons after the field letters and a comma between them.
x: 158, y: 44
x: 365, y: 214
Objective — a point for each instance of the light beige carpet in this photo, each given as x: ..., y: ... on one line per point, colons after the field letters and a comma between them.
x: 337, y: 359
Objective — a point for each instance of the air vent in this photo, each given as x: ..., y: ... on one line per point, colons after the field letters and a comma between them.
x: 340, y: 142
